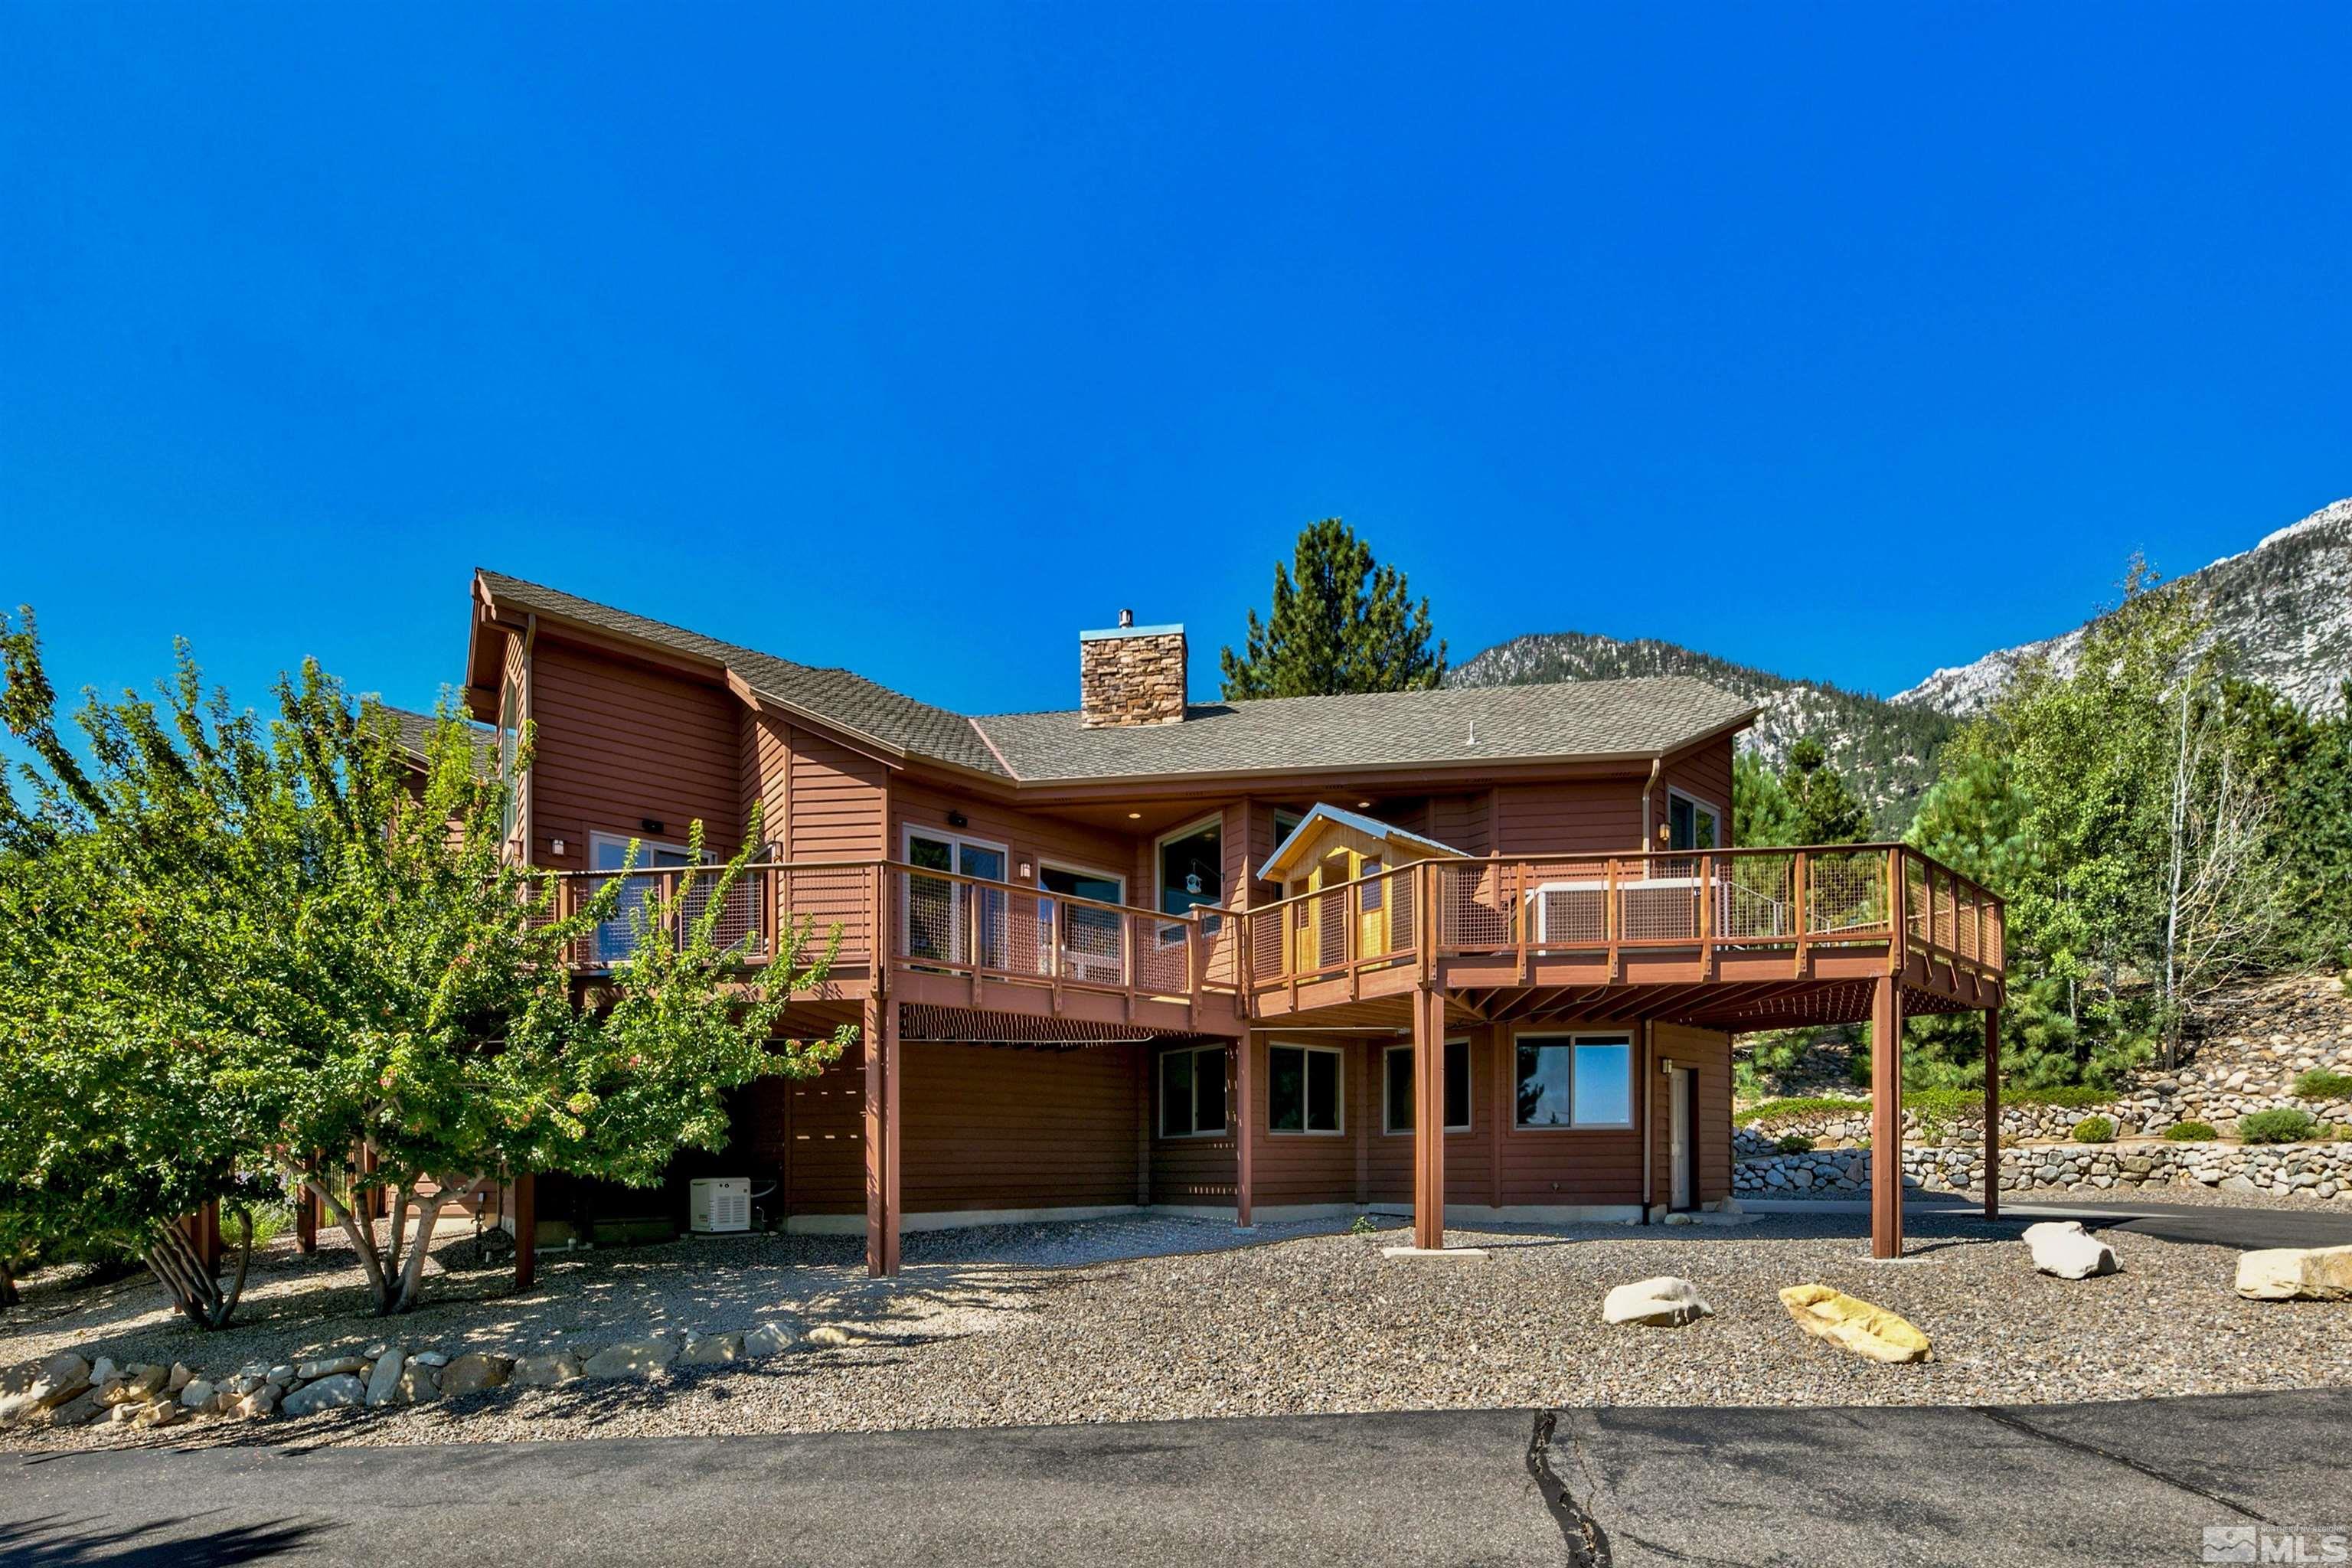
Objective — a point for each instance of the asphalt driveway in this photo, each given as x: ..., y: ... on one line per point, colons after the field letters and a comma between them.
x: 2125, y: 1483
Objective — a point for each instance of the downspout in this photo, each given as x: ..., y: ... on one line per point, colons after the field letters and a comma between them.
x: 1657, y: 765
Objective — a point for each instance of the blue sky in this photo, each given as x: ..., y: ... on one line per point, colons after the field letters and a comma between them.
x: 1844, y: 341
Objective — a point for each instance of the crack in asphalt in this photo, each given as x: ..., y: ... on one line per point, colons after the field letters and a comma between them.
x: 1587, y: 1542
x: 2077, y: 1445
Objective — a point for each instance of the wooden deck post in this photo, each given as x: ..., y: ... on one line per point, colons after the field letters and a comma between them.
x: 204, y: 1234
x: 1428, y: 1119
x: 1992, y: 1112
x: 1242, y: 1115
x: 526, y: 1230
x: 1886, y: 1119
x: 882, y: 1065
x: 306, y: 1221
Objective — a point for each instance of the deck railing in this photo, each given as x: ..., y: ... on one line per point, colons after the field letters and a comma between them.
x: 1791, y: 899
x: 944, y: 922
x: 936, y: 921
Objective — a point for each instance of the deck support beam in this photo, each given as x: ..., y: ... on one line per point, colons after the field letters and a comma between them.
x: 1242, y: 1116
x: 882, y: 1074
x: 1886, y: 1119
x: 1992, y: 1112
x: 1429, y: 1119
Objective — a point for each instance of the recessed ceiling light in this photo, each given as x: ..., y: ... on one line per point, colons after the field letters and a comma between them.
x: 1135, y: 817
x: 1363, y: 805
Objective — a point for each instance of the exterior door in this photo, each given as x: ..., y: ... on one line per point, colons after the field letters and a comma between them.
x: 1682, y: 1151
x: 943, y: 918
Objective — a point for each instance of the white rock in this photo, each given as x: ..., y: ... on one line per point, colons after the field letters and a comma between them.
x: 329, y: 1367
x: 2065, y: 1248
x: 2296, y: 1274
x: 197, y: 1392
x: 546, y: 1371
x: 711, y: 1349
x: 1665, y: 1302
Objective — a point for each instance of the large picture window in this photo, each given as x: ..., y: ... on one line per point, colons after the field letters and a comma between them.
x: 1302, y: 1089
x: 1575, y: 1080
x: 1192, y: 1092
x: 1397, y: 1115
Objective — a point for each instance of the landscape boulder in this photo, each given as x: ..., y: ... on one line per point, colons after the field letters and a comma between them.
x: 471, y: 1373
x: 383, y: 1378
x: 197, y: 1392
x: 2065, y: 1248
x: 2296, y: 1274
x: 546, y: 1371
x: 711, y: 1349
x: 772, y: 1338
x: 330, y: 1392
x: 329, y: 1367
x: 419, y: 1382
x: 1852, y: 1325
x: 633, y: 1358
x: 1665, y: 1302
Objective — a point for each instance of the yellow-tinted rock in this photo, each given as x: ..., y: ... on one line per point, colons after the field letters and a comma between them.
x: 2296, y: 1274
x: 1853, y: 1324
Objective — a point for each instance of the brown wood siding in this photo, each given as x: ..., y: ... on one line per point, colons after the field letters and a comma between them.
x: 823, y: 1134
x: 1709, y: 1051
x: 1568, y: 1165
x: 1460, y: 820
x: 1581, y: 817
x: 1468, y: 1155
x: 1703, y: 771
x: 619, y: 744
x: 1029, y: 835
x: 1302, y: 1167
x: 994, y: 1127
x: 837, y: 798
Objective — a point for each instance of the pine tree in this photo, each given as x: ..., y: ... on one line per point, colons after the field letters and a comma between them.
x: 1827, y: 809
x: 1340, y: 623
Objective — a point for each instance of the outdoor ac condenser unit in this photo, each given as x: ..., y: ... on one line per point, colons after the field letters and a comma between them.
x: 720, y: 1203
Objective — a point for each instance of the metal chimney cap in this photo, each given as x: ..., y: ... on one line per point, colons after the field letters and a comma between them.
x: 1126, y: 619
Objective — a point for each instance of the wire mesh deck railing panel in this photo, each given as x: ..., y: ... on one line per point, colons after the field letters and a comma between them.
x: 967, y: 925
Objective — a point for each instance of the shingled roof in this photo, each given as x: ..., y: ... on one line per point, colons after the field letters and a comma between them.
x: 1572, y: 721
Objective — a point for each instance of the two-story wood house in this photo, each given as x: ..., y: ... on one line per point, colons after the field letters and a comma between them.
x: 1475, y: 952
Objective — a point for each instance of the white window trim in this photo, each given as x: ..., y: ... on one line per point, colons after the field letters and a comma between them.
x: 1159, y: 885
x: 910, y: 831
x: 1160, y: 1093
x: 1338, y: 1098
x: 1674, y: 792
x: 1389, y: 1128
x: 1627, y: 1037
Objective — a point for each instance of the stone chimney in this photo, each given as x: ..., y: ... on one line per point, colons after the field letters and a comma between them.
x: 1131, y: 675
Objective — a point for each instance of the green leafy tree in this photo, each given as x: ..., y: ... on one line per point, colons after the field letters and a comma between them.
x: 306, y: 947
x: 1827, y: 810
x: 2304, y: 765
x: 1340, y: 623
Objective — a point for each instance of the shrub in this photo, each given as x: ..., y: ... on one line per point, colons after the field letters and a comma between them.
x: 2191, y: 1132
x: 2284, y: 1124
x: 1795, y: 1144
x: 2324, y: 1083
x: 2094, y: 1129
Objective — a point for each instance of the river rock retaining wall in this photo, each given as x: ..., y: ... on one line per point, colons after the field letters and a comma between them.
x: 2307, y: 1169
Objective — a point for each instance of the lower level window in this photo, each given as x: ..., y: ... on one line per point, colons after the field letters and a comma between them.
x: 1302, y: 1089
x: 1457, y: 1088
x: 1575, y: 1080
x: 1192, y: 1092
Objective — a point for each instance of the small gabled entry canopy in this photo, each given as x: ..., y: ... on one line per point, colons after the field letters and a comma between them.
x: 1328, y: 830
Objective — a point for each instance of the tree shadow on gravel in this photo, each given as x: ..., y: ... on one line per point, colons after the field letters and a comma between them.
x: 54, y: 1542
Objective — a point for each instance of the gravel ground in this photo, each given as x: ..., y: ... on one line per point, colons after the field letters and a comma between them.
x: 2191, y: 1193
x: 988, y: 1329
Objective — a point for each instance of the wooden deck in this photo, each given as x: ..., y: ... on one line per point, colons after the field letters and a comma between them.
x: 1731, y: 939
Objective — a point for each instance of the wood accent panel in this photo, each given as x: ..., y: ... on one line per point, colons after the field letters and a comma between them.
x: 1575, y: 817
x: 993, y: 1127
x: 619, y: 744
